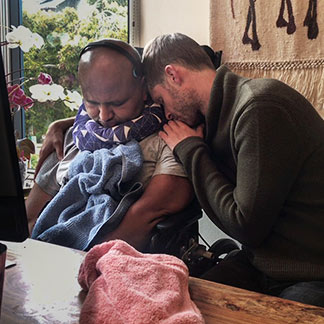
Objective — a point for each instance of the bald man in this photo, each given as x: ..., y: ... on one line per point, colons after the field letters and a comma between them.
x: 113, y: 93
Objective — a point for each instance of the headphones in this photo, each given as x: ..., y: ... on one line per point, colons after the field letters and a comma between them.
x: 137, y: 65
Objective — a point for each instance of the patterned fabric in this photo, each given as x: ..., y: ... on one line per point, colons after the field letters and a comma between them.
x: 89, y: 135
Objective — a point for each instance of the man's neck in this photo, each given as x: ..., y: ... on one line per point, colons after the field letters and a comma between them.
x: 202, y: 82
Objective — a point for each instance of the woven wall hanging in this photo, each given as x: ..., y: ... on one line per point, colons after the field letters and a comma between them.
x: 282, y: 39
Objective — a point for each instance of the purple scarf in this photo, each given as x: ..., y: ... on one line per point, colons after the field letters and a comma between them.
x: 89, y: 135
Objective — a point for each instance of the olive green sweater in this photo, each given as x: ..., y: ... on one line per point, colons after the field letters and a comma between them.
x: 259, y: 173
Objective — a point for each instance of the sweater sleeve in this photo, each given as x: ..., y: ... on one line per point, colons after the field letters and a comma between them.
x: 265, y: 145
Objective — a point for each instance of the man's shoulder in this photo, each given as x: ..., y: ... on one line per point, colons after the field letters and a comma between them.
x: 151, y: 140
x: 152, y: 145
x: 155, y: 149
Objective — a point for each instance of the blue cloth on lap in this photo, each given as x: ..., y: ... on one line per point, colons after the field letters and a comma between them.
x: 94, y: 200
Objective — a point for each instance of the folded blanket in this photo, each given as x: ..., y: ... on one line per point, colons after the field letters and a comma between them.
x: 89, y: 135
x: 94, y: 200
x: 127, y: 287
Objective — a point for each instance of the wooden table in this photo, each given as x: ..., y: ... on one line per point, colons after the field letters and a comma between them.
x: 42, y: 287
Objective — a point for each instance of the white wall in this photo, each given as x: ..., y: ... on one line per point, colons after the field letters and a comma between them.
x: 190, y: 17
x: 209, y: 231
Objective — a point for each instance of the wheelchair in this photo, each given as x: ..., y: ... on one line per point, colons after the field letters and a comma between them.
x: 178, y: 235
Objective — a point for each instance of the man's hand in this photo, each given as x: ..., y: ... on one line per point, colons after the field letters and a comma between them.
x: 54, y: 140
x: 176, y: 131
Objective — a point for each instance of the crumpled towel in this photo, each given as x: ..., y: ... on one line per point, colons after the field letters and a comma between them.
x: 128, y: 287
x: 94, y: 200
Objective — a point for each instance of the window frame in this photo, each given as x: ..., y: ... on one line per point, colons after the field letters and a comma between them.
x: 11, y: 13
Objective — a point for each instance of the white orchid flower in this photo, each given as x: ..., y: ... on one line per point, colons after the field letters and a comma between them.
x: 72, y: 99
x: 19, y: 36
x: 46, y: 92
x: 38, y: 40
x: 22, y: 37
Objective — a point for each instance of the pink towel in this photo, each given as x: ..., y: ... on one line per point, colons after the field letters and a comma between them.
x: 128, y: 287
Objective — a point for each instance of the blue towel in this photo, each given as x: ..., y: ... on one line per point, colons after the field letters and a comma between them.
x: 94, y: 200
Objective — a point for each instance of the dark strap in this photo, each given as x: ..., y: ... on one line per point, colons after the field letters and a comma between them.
x: 311, y: 20
x: 251, y: 18
x: 281, y: 22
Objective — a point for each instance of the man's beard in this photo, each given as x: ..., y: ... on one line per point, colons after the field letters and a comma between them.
x: 188, y: 107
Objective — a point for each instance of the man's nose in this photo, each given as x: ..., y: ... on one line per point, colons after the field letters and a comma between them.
x: 105, y: 112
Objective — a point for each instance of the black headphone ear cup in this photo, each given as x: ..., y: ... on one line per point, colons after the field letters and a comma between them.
x: 135, y: 73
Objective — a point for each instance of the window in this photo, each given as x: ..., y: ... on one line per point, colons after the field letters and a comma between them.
x: 10, y: 10
x: 66, y: 26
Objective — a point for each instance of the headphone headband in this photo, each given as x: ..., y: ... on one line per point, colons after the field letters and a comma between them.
x: 137, y: 68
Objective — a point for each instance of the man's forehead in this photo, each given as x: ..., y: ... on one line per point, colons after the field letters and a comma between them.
x: 157, y: 92
x: 108, y: 74
x: 107, y: 89
x: 102, y: 98
x: 104, y: 61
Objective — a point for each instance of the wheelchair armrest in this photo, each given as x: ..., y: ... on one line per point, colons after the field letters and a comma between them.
x: 182, y: 219
x: 174, y: 234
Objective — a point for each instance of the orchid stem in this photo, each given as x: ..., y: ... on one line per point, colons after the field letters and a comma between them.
x: 16, y: 71
x: 6, y: 27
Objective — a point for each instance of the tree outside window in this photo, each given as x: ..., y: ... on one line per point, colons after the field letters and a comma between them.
x: 66, y: 27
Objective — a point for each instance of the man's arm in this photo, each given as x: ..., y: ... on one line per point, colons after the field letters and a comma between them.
x: 36, y: 201
x: 54, y: 140
x: 164, y: 195
x: 267, y: 150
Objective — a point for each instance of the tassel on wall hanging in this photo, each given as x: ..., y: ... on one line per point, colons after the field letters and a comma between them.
x: 311, y: 20
x: 281, y: 22
x: 251, y: 19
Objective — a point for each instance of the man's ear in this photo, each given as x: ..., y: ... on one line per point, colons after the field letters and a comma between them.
x: 173, y: 74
